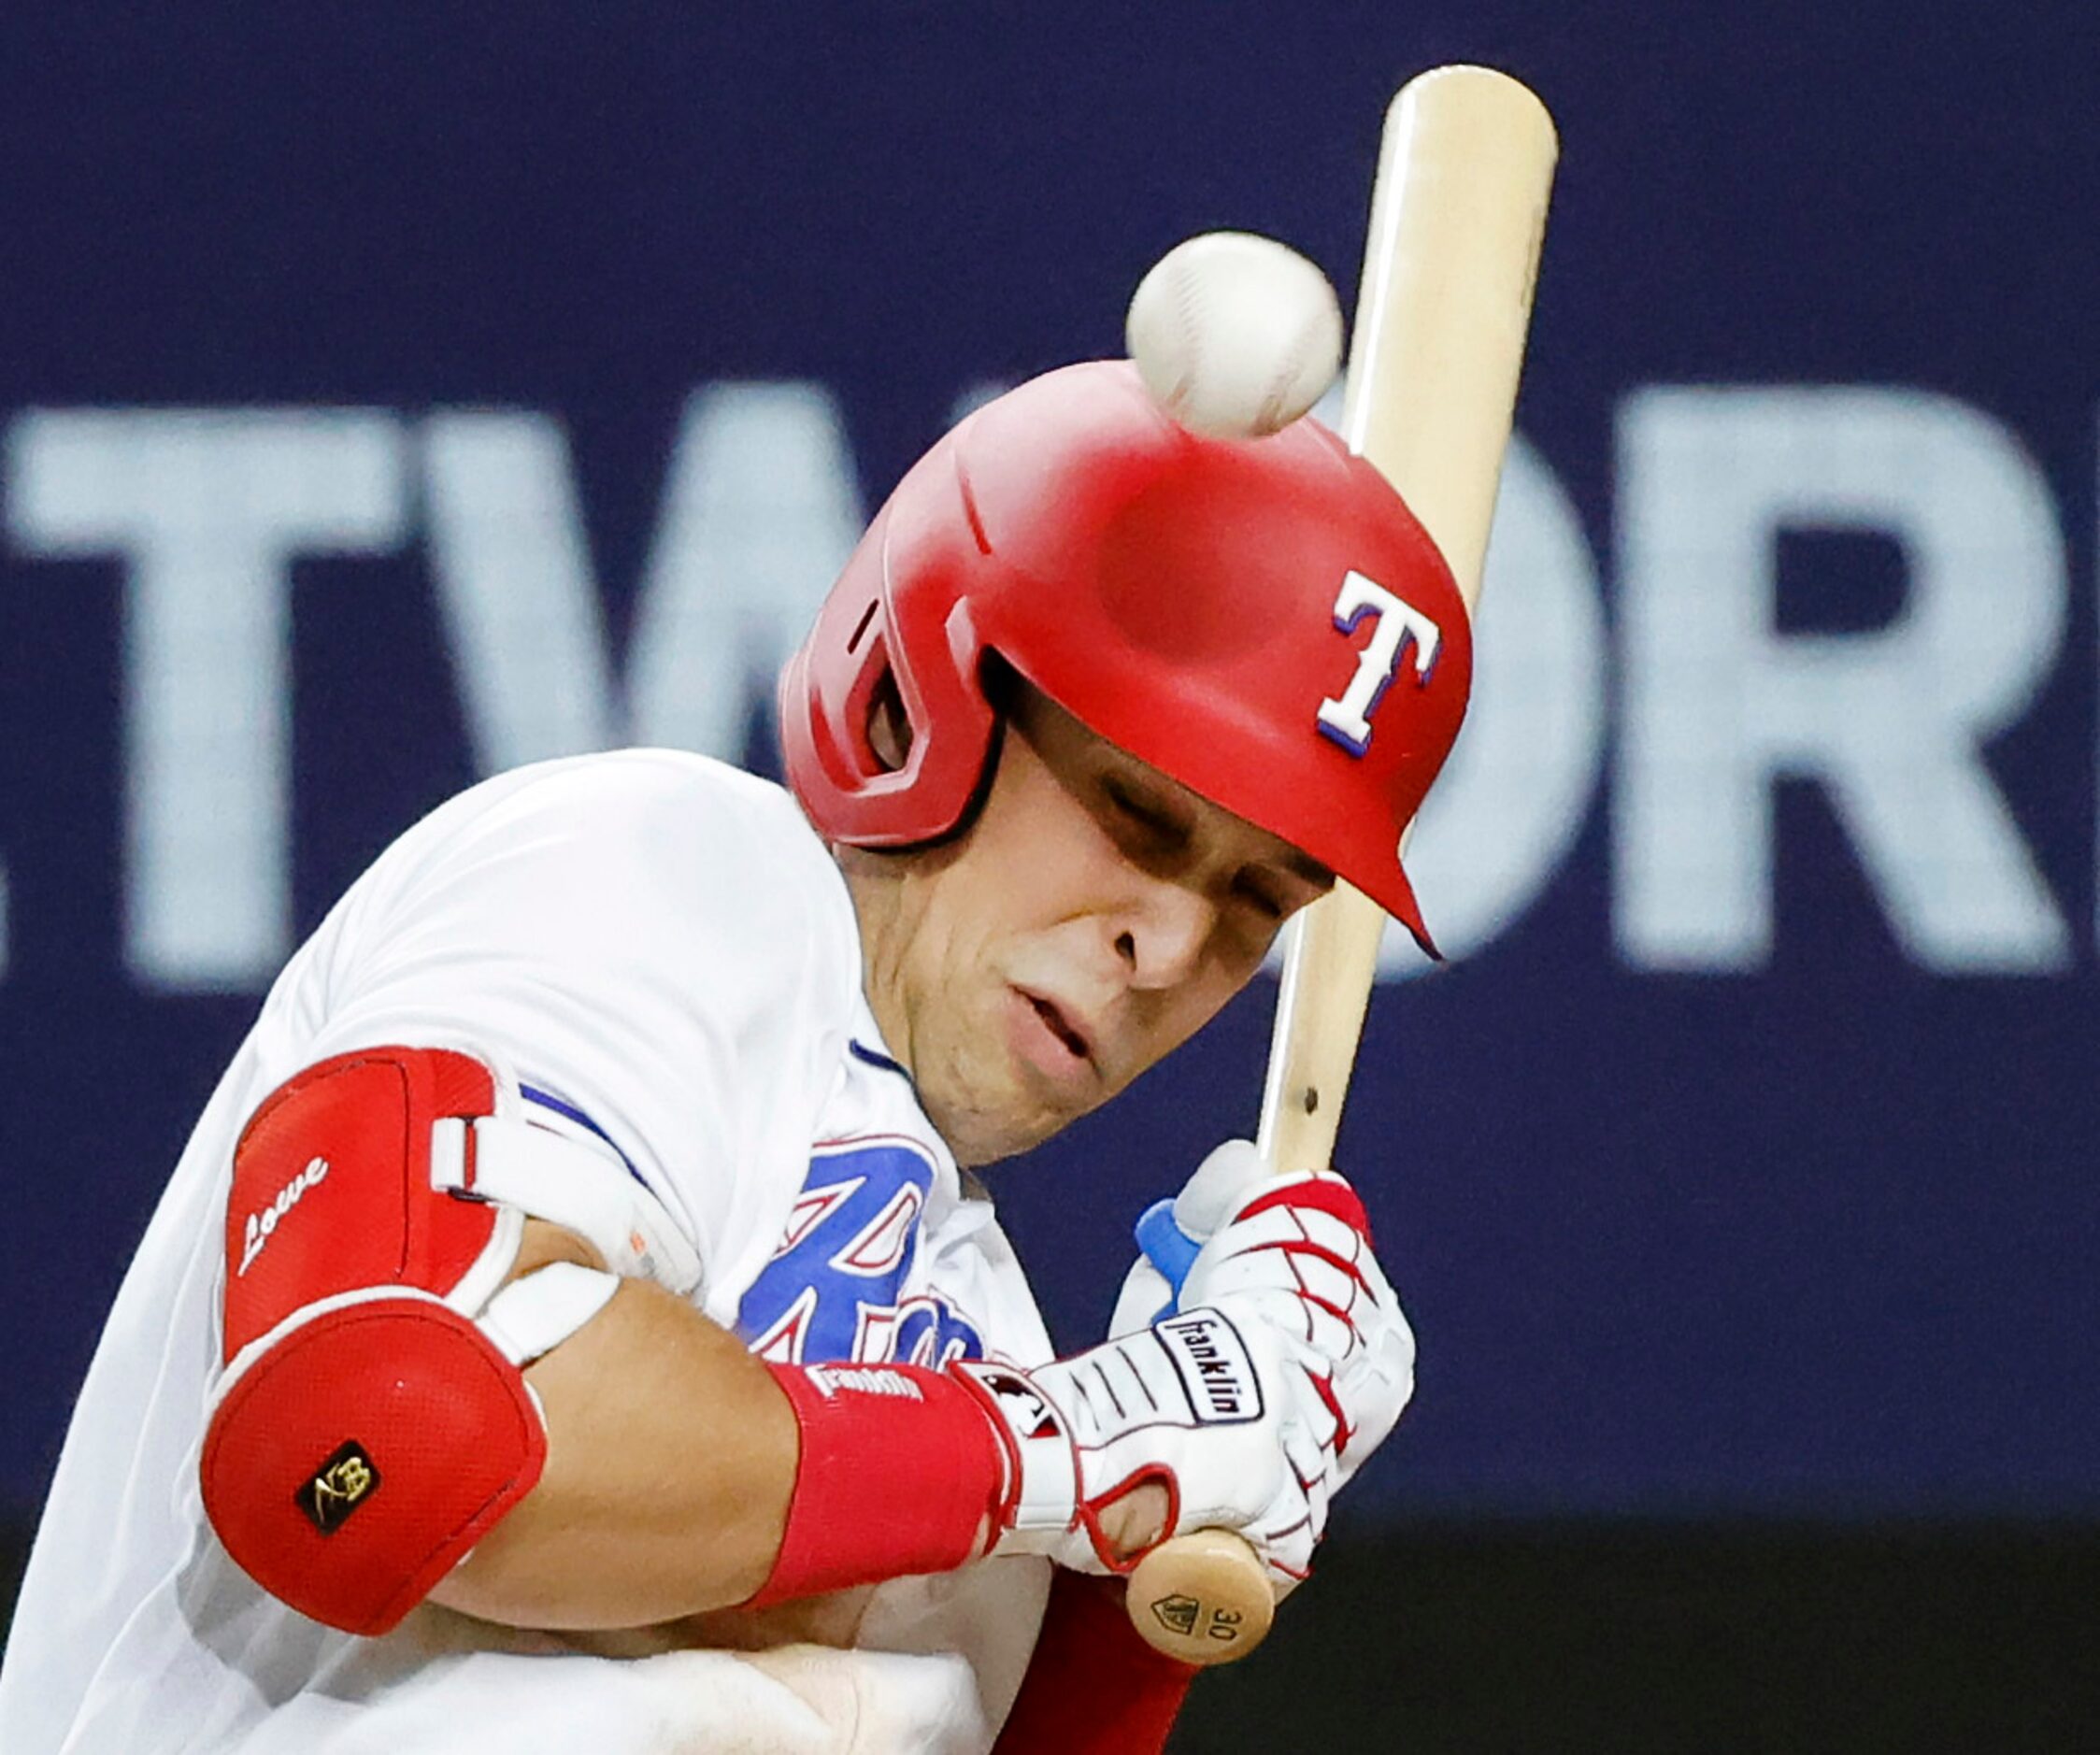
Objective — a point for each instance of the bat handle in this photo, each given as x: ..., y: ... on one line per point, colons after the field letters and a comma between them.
x: 1204, y: 1598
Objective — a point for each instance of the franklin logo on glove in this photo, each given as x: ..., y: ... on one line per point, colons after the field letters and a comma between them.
x: 1215, y: 1370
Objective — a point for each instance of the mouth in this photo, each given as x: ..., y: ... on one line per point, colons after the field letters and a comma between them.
x: 1060, y: 1027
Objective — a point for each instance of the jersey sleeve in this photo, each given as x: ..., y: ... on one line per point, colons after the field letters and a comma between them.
x: 657, y: 947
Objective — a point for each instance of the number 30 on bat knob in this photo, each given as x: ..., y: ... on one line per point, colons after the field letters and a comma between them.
x: 1203, y: 1598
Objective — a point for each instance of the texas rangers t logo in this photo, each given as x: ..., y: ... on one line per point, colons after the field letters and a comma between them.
x: 1348, y: 720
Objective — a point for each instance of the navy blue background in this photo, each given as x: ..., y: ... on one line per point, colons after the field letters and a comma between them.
x: 1816, y: 1239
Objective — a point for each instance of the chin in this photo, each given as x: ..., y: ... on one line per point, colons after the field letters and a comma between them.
x: 983, y: 1123
x: 978, y: 1136
x: 987, y: 1107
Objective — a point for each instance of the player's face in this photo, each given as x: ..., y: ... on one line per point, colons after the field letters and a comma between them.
x: 1093, y: 917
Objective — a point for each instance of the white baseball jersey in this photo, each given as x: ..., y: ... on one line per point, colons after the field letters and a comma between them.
x: 664, y: 952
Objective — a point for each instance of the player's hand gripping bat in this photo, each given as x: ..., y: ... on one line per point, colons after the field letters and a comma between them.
x: 1458, y: 212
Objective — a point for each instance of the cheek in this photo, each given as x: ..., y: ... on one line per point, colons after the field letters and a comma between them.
x: 996, y: 895
x: 1195, y: 1002
x: 1049, y: 846
x: 1237, y: 949
x: 944, y: 932
x: 1058, y: 883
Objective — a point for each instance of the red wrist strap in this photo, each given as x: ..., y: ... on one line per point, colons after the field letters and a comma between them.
x: 1094, y: 1687
x: 899, y: 1471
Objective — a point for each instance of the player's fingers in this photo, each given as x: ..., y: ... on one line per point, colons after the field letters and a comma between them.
x: 1314, y: 1308
x: 1221, y: 1183
x: 1375, y: 1282
x: 1296, y: 1238
x: 1300, y: 1322
x: 1308, y: 1461
x: 1313, y: 1190
x: 1284, y: 1541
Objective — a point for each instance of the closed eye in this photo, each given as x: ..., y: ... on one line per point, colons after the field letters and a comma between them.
x: 1141, y: 813
x: 1264, y: 900
x: 1152, y: 831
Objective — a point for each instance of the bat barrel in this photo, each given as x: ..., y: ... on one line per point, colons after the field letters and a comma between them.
x: 1458, y: 217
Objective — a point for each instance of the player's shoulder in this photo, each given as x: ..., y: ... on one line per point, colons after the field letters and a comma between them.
x: 629, y: 842
x: 664, y: 804
x: 615, y: 784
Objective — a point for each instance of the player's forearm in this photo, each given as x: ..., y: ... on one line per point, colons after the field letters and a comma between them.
x: 418, y: 1399
x: 671, y: 1459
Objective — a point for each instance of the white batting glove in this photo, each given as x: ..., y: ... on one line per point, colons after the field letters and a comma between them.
x: 1296, y: 1249
x: 1206, y: 1404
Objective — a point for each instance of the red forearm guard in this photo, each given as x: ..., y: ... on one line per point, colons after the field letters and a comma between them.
x: 901, y: 1471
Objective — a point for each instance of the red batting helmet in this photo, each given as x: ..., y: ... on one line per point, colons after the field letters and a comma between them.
x: 1200, y: 603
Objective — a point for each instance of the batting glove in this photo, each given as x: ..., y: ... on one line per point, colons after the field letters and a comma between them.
x: 1208, y: 1405
x: 1298, y: 1251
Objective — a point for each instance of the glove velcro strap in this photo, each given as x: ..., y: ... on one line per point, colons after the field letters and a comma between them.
x: 583, y: 1188
x: 900, y: 1472
x: 1043, y: 1471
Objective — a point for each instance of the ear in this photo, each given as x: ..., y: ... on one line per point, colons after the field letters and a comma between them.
x: 889, y: 728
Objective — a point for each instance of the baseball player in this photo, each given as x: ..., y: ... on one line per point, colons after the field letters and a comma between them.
x: 576, y: 1320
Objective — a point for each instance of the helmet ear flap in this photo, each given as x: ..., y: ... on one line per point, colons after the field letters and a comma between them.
x: 890, y: 733
x: 933, y: 681
x: 886, y: 734
x: 875, y: 715
x: 896, y: 641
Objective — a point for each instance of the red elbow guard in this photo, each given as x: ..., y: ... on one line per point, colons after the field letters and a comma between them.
x: 366, y: 1431
x: 364, y: 1452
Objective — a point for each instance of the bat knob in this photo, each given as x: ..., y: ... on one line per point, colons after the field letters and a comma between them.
x: 1204, y: 1598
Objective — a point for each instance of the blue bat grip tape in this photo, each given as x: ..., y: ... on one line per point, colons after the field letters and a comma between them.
x: 1168, y: 1248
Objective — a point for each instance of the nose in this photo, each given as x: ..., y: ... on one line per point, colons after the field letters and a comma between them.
x: 1163, y: 936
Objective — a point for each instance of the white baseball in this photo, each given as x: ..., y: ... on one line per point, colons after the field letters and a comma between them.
x: 1235, y: 334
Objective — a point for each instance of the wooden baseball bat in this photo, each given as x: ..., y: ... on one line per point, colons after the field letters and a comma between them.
x: 1458, y: 213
